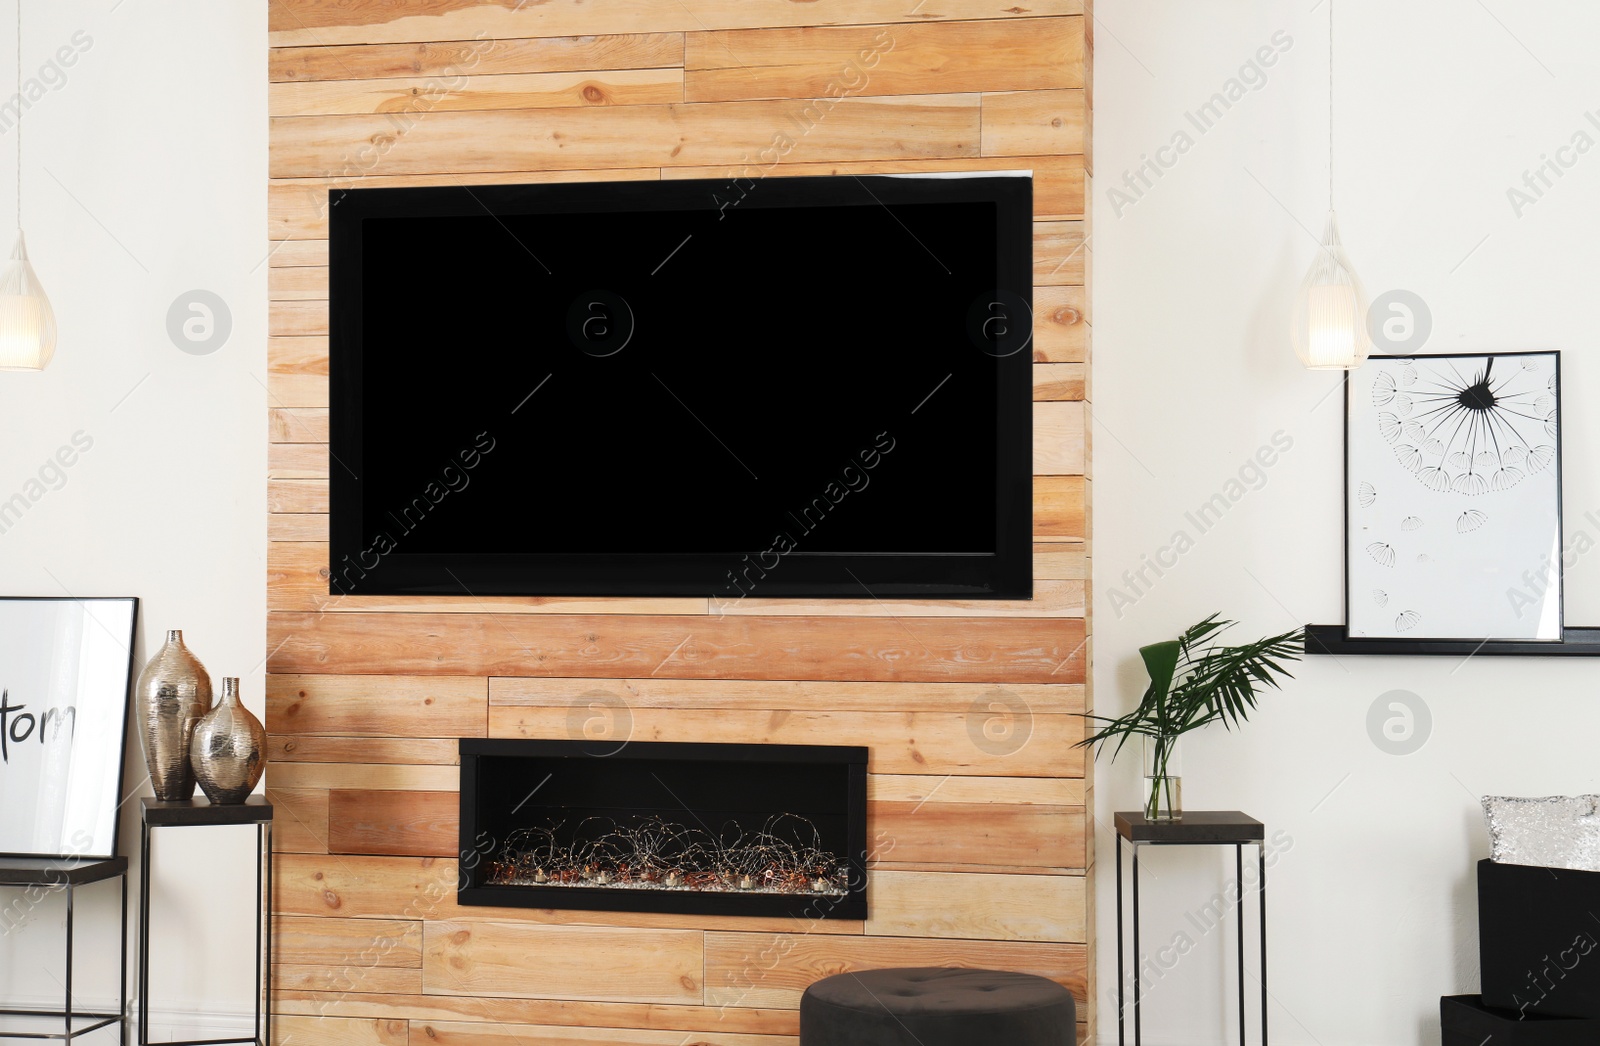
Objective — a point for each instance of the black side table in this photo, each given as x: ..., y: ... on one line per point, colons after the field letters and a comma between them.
x: 1198, y: 828
x: 201, y: 813
x: 54, y: 873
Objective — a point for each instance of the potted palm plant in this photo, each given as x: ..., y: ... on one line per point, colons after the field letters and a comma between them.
x: 1194, y: 682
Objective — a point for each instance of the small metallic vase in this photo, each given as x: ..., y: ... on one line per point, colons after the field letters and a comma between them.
x: 229, y: 748
x: 173, y: 692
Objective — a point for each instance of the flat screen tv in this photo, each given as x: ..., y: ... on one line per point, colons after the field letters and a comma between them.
x: 777, y: 388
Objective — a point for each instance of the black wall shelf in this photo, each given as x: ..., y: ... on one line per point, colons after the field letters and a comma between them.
x: 1331, y: 639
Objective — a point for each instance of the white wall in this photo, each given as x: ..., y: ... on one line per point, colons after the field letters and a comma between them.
x: 145, y: 179
x: 1441, y: 108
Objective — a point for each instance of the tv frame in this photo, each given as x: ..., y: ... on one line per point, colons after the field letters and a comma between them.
x: 1007, y: 573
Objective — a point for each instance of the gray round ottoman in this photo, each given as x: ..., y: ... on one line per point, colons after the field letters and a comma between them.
x: 937, y: 1007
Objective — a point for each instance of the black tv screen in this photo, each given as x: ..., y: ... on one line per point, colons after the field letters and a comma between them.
x: 793, y: 387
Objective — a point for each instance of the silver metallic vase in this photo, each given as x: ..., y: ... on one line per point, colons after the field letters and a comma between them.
x: 174, y: 691
x: 229, y: 749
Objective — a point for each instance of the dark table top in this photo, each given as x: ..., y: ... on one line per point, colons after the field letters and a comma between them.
x: 58, y: 871
x: 201, y: 811
x: 1197, y: 826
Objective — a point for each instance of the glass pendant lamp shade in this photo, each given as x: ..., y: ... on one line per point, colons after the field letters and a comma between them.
x: 27, y: 323
x: 1329, y: 329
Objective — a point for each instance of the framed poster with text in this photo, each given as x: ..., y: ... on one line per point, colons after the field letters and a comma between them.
x: 65, y: 669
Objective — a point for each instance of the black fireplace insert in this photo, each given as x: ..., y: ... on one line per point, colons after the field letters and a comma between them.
x: 703, y: 829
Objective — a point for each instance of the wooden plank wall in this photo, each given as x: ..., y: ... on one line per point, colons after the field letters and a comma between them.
x: 978, y: 803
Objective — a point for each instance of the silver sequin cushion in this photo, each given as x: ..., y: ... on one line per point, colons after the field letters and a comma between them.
x: 1556, y: 832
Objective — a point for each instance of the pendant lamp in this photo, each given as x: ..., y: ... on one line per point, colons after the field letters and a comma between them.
x: 1329, y: 328
x: 27, y: 323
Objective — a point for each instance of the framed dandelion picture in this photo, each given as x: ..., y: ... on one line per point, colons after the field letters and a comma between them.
x: 1453, y: 497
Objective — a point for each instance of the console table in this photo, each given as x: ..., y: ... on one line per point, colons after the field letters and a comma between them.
x: 255, y: 810
x: 1198, y: 828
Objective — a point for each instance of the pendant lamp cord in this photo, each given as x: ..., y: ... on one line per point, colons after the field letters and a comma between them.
x: 19, y: 115
x: 1330, y: 103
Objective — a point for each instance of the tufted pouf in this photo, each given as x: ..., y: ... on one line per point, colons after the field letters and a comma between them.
x: 937, y: 1007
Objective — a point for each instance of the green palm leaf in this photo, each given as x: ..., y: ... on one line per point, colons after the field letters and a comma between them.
x: 1194, y: 682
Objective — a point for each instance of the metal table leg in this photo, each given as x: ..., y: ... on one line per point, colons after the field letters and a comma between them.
x: 1137, y: 986
x: 144, y: 934
x: 122, y: 983
x: 1121, y: 980
x: 1261, y: 886
x: 266, y: 915
x: 1238, y: 905
x: 68, y: 1008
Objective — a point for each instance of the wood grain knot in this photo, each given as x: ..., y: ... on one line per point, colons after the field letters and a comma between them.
x: 592, y: 93
x: 1067, y: 316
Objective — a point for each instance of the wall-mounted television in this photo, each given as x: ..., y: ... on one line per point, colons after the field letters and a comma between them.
x: 774, y: 388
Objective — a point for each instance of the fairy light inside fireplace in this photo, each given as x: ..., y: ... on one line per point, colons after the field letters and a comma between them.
x: 784, y: 857
x: 692, y: 828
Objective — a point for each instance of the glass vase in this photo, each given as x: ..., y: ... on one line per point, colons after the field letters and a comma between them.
x: 1163, y: 778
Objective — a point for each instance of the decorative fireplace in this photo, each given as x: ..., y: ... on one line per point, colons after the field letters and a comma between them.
x: 703, y: 829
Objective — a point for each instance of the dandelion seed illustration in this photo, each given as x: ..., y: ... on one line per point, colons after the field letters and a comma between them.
x: 1470, y: 520
x: 1380, y: 597
x: 1423, y: 557
x: 1407, y: 620
x: 1383, y: 389
x: 1478, y: 420
x: 1411, y: 523
x: 1381, y: 554
x: 1505, y: 479
x: 1365, y: 495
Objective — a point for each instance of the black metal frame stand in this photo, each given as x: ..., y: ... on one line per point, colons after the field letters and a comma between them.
x: 1200, y: 828
x: 69, y: 873
x: 199, y: 812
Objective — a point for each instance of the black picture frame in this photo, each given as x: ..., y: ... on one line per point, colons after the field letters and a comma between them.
x: 121, y: 733
x: 1006, y: 573
x: 1322, y: 639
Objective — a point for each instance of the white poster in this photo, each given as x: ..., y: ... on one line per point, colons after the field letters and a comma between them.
x: 64, y: 668
x: 1453, y: 497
